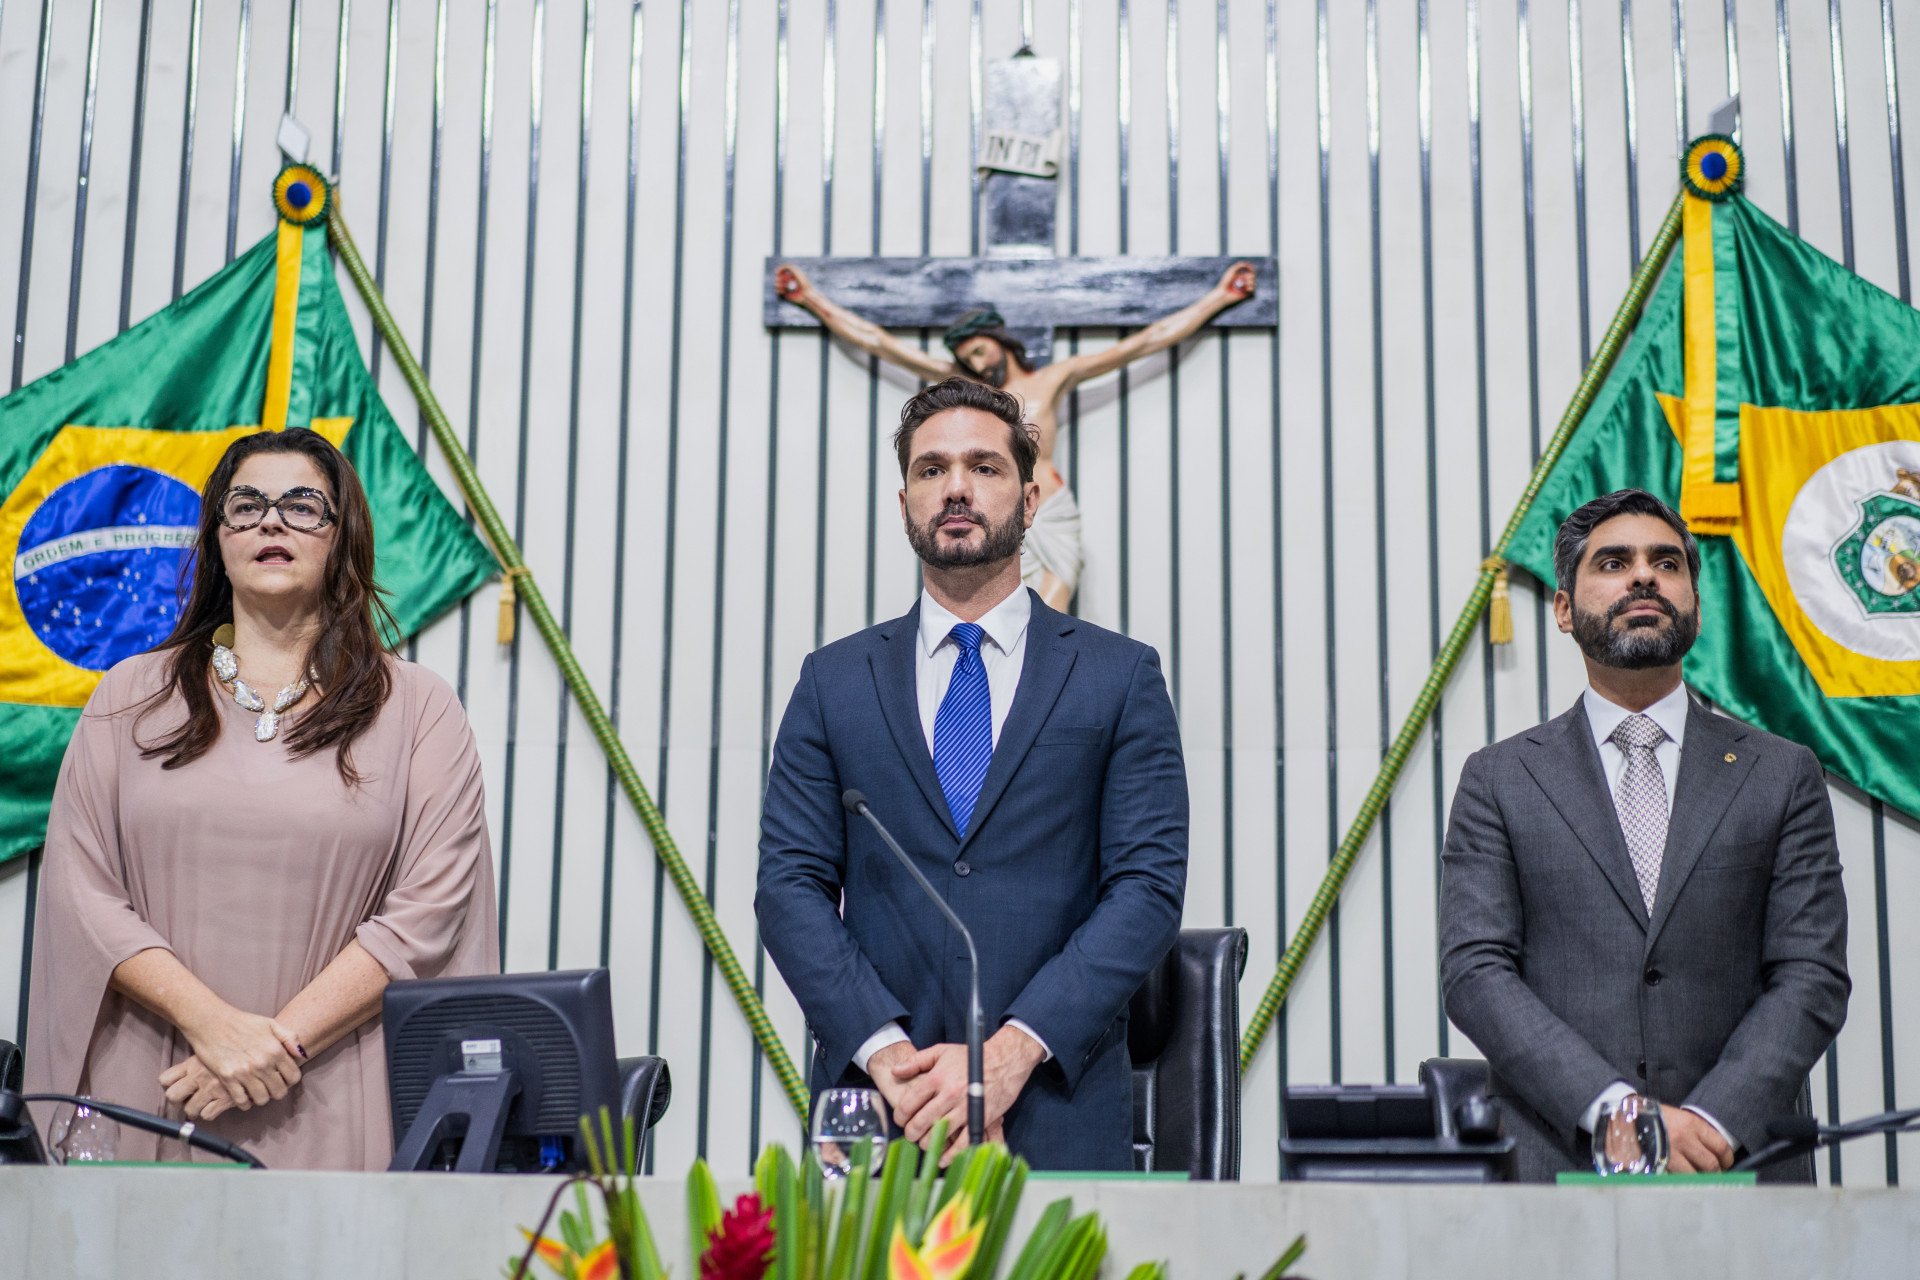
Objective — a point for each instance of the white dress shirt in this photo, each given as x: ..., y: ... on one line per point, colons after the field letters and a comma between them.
x: 1003, y: 652
x: 1670, y: 713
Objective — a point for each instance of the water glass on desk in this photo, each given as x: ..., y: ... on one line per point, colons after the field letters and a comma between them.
x: 842, y: 1118
x: 1630, y: 1137
x: 86, y: 1136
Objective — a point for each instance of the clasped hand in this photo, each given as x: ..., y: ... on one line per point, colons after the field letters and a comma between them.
x: 240, y: 1060
x: 925, y: 1086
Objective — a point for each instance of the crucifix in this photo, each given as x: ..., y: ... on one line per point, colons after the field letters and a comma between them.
x: 999, y: 311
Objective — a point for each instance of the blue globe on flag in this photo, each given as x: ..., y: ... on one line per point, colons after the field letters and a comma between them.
x: 99, y: 565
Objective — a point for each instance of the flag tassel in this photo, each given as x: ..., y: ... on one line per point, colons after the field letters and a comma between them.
x: 510, y: 601
x: 1499, y: 605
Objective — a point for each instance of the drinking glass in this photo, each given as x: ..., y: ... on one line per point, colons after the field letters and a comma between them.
x: 87, y: 1136
x: 1630, y: 1137
x: 841, y: 1119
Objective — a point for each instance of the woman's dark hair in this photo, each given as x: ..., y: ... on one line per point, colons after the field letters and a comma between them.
x: 965, y: 393
x: 349, y: 653
x: 1570, y: 544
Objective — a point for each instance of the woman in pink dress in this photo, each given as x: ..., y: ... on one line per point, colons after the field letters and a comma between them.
x: 258, y: 826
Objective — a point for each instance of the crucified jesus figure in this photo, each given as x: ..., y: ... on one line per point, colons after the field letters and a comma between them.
x: 984, y: 350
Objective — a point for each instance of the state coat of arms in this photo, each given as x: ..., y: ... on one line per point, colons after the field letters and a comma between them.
x: 1879, y: 559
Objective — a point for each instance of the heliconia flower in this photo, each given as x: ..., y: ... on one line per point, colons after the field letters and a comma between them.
x: 600, y: 1263
x: 551, y: 1252
x: 951, y: 1240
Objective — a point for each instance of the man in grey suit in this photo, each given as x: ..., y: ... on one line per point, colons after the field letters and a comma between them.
x: 1641, y: 897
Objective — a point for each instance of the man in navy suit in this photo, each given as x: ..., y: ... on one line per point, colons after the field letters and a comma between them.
x: 1030, y: 763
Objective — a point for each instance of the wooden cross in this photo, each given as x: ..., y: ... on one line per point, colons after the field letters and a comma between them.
x: 1019, y: 276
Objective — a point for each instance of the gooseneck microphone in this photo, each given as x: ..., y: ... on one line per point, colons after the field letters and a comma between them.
x: 185, y: 1130
x: 976, y: 1068
x: 1800, y: 1135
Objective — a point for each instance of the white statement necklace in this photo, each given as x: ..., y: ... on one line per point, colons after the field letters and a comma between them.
x: 227, y: 667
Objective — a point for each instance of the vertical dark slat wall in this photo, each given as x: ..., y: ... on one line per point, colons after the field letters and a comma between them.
x: 1844, y: 173
x: 757, y: 1077
x: 509, y: 769
x: 239, y: 131
x: 731, y: 109
x: 1431, y: 404
x: 1882, y: 936
x: 1277, y: 542
x: 1630, y: 130
x: 1223, y: 141
x: 138, y: 140
x: 1379, y: 390
x: 684, y: 90
x: 563, y: 711
x: 1330, y: 634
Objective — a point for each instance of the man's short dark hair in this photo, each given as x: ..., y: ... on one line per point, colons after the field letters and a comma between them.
x: 966, y: 393
x: 1570, y: 544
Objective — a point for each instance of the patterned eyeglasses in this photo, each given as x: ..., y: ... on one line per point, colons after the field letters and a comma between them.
x: 304, y: 509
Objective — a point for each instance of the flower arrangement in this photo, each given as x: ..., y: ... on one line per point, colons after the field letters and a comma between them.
x: 912, y: 1222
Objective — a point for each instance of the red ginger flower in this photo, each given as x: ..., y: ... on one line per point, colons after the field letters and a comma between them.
x: 742, y: 1246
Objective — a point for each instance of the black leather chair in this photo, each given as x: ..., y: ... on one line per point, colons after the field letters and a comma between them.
x: 13, y: 1065
x: 646, y: 1087
x: 1449, y: 1082
x: 1183, y: 1033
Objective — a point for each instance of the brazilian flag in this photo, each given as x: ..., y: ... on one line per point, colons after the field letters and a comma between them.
x: 1773, y: 397
x: 102, y: 461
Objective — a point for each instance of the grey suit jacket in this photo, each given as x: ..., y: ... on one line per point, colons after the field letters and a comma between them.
x: 1723, y: 999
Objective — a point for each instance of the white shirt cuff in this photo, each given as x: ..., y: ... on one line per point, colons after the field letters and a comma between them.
x: 1035, y: 1037
x: 1732, y: 1144
x: 889, y: 1034
x: 1612, y: 1093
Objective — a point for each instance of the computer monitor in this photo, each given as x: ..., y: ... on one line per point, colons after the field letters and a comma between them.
x: 492, y: 1074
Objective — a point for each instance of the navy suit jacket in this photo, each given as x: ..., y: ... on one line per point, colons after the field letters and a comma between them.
x: 1070, y: 877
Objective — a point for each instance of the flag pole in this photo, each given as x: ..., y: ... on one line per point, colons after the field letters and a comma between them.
x: 520, y: 578
x: 1443, y: 663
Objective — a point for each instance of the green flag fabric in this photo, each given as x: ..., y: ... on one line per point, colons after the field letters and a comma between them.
x: 1802, y: 383
x: 102, y: 462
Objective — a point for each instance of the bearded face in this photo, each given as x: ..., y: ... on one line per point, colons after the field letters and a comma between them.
x: 935, y: 541
x: 986, y: 359
x: 1642, y: 640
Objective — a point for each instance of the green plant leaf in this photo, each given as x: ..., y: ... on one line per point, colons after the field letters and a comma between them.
x: 999, y: 1204
x: 916, y: 1214
x: 1052, y: 1223
x: 789, y: 1237
x: 903, y: 1161
x: 1148, y: 1271
x: 763, y: 1175
x: 645, y: 1261
x: 852, y: 1217
x: 1287, y: 1259
x: 703, y: 1210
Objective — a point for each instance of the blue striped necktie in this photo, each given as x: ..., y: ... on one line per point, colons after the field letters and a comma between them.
x: 963, y: 728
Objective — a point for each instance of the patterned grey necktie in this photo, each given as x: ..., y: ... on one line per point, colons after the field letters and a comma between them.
x: 1640, y: 798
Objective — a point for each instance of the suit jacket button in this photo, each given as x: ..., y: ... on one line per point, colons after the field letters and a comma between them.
x: 961, y: 868
x: 1640, y: 1068
x: 1653, y: 977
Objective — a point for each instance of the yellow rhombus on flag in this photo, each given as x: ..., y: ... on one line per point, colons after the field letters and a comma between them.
x: 1774, y: 397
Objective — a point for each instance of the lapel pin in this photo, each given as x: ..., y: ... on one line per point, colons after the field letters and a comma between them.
x: 1731, y: 757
